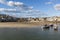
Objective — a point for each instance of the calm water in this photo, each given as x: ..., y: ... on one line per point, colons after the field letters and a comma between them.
x: 29, y: 34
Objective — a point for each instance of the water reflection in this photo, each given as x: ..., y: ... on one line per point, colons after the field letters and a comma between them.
x: 28, y: 34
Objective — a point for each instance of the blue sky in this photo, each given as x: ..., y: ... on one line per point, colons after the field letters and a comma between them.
x: 30, y: 8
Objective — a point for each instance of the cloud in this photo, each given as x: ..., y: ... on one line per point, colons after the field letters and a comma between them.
x: 1, y: 9
x: 2, y: 1
x: 57, y: 7
x: 31, y: 7
x: 51, y: 2
x: 17, y: 5
x: 19, y: 8
x: 21, y: 13
x: 48, y: 2
x: 11, y: 3
x: 7, y: 10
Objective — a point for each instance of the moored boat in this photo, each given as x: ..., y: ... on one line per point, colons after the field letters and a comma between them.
x: 55, y: 27
x: 46, y: 26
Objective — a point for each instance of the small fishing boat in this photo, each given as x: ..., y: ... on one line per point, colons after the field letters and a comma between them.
x: 46, y: 26
x: 55, y: 27
x: 51, y: 25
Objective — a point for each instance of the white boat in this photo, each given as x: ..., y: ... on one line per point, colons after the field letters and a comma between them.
x: 55, y: 27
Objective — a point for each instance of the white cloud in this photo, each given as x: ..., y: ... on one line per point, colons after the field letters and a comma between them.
x: 2, y: 1
x: 5, y: 9
x: 21, y: 13
x: 1, y: 9
x: 11, y: 3
x: 20, y: 8
x: 14, y: 4
x: 48, y: 3
x: 31, y: 7
x: 18, y: 3
x: 57, y: 7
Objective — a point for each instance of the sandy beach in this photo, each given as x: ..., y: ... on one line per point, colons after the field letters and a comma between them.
x: 18, y: 24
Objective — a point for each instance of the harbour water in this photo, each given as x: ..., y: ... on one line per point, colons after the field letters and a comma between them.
x: 29, y: 34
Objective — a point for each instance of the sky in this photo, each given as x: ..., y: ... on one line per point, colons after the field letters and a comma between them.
x: 30, y: 8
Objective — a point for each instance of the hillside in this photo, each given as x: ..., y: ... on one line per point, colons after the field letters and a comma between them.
x: 7, y: 18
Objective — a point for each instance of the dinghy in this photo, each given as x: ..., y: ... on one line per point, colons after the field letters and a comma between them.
x: 46, y: 26
x: 51, y: 25
x: 55, y: 27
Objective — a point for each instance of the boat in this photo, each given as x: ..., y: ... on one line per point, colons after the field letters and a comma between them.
x: 46, y: 26
x: 56, y: 26
x: 51, y: 25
